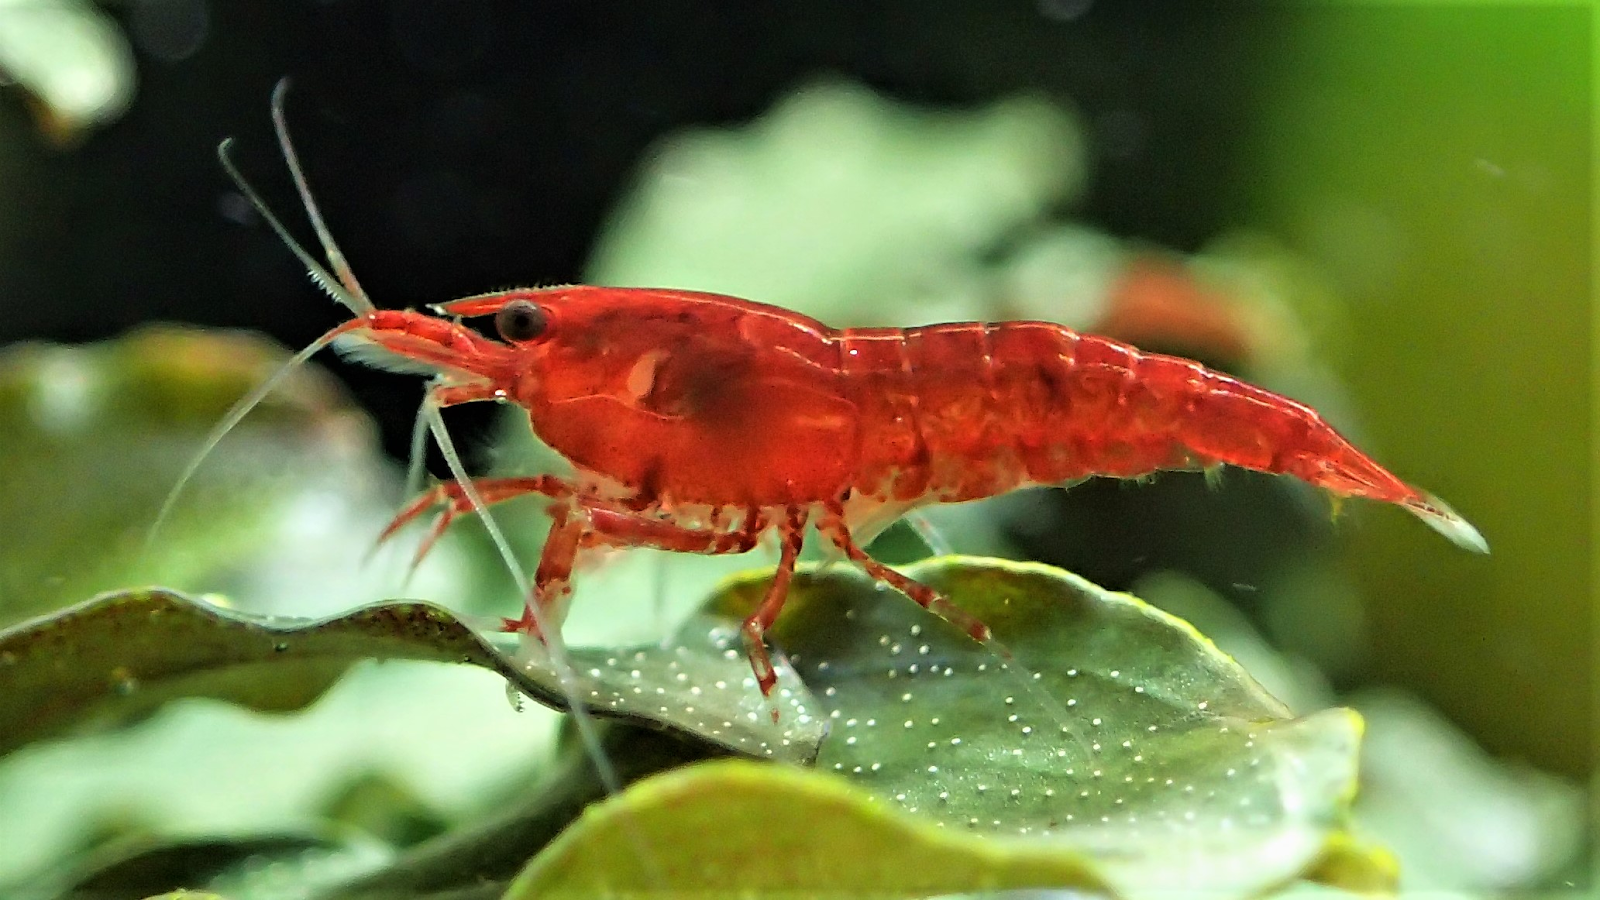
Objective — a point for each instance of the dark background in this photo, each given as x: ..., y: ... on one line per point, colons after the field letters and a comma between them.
x: 458, y: 146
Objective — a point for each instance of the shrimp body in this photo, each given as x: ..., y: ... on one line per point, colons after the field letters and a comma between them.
x: 685, y: 399
x: 699, y: 422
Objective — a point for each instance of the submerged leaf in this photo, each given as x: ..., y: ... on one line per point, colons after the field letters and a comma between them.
x: 122, y: 655
x: 95, y: 436
x: 1114, y: 746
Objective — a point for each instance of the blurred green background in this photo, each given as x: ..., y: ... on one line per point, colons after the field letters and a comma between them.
x: 1437, y: 163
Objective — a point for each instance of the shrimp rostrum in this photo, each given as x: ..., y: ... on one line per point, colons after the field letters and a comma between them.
x: 700, y: 423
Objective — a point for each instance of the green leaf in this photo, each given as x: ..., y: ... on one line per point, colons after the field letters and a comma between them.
x: 95, y: 437
x: 737, y: 828
x: 122, y: 655
x: 1116, y: 747
x: 160, y: 866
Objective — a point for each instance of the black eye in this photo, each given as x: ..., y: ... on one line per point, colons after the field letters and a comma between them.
x: 520, y: 320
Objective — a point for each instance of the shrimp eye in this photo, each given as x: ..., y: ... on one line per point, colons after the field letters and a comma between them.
x: 520, y: 320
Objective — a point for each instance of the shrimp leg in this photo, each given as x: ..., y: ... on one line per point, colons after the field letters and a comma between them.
x: 456, y: 504
x: 451, y: 493
x: 834, y: 528
x: 552, y: 581
x: 621, y: 529
x: 592, y: 525
x: 755, y: 627
x: 613, y: 527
